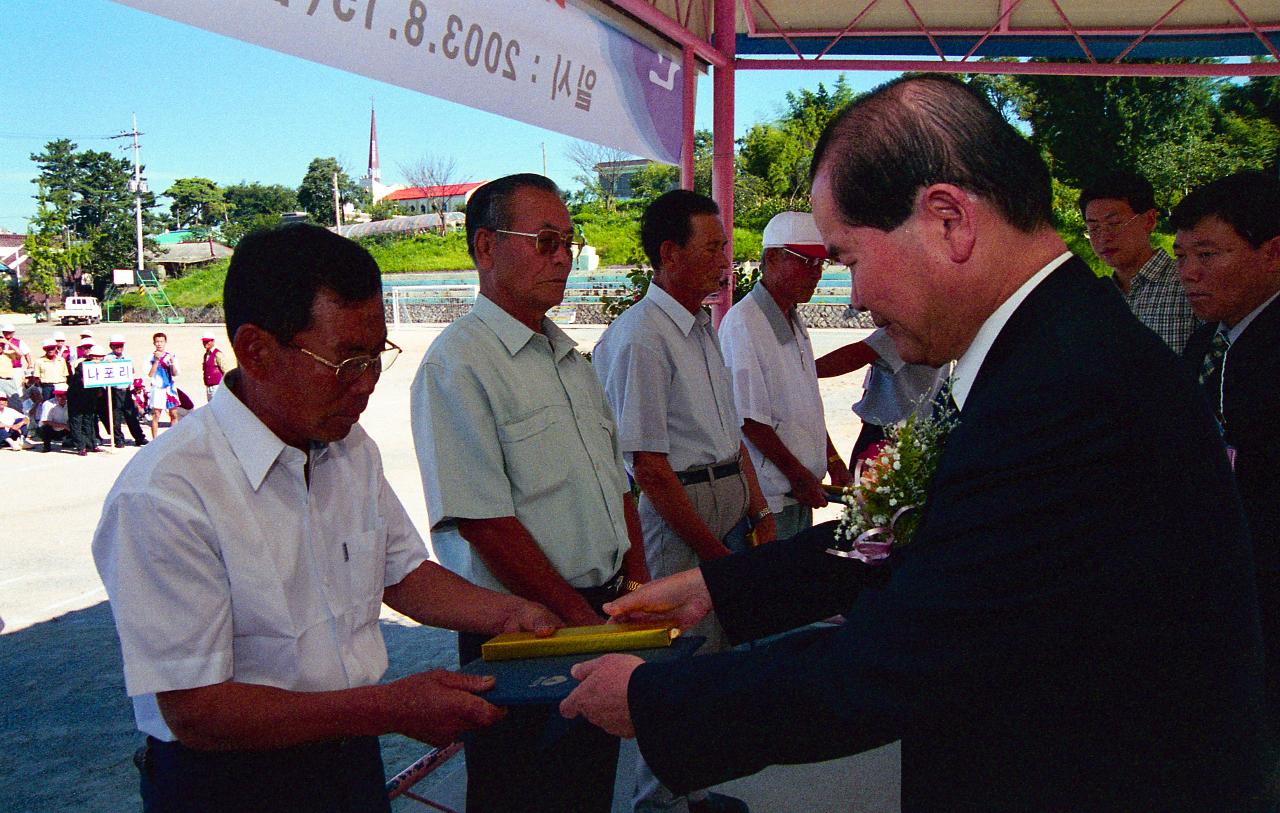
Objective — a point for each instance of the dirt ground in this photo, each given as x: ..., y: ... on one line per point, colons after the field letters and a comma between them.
x: 67, y: 724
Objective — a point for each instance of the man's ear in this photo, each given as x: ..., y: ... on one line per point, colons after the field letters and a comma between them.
x: 255, y: 349
x: 948, y: 214
x: 485, y: 239
x: 1271, y: 250
x: 670, y: 252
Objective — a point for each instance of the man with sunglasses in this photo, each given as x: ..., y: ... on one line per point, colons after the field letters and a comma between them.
x: 524, y: 482
x: 248, y: 552
x: 1119, y: 213
x: 775, y: 381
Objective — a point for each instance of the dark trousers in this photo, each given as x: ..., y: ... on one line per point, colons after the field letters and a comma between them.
x: 126, y: 411
x: 871, y: 433
x: 535, y: 760
x: 48, y: 434
x: 84, y: 429
x: 344, y: 776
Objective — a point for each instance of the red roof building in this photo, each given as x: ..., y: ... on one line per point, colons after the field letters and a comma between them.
x: 426, y: 199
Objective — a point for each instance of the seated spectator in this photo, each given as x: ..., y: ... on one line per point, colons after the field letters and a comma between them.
x: 54, y: 422
x: 12, y: 422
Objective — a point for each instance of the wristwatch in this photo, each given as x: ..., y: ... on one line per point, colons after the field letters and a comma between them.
x: 630, y: 586
x: 759, y: 516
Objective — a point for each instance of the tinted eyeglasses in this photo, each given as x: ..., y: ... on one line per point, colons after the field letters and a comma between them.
x: 549, y: 241
x: 348, y: 371
x: 812, y: 262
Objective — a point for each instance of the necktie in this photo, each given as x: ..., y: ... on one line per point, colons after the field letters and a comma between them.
x: 1211, y: 367
x: 1211, y: 373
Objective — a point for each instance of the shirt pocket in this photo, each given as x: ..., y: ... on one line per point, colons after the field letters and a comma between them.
x: 534, y: 448
x: 366, y: 568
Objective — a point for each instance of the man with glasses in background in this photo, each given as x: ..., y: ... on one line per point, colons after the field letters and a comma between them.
x: 775, y: 381
x: 248, y: 552
x: 524, y: 481
x: 1119, y: 213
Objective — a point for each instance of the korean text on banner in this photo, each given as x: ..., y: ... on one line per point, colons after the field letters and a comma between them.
x: 107, y: 373
x: 544, y: 63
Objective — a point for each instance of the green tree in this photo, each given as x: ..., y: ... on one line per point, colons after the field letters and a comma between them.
x: 316, y: 192
x: 54, y: 255
x: 196, y: 202
x: 1258, y: 98
x: 382, y: 210
x: 249, y: 200
x: 654, y: 179
x: 90, y: 205
x: 779, y: 152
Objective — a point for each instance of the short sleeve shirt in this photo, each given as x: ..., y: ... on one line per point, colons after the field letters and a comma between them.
x: 509, y: 422
x: 1157, y: 298
x: 222, y: 564
x: 666, y: 378
x: 893, y: 388
x: 775, y: 383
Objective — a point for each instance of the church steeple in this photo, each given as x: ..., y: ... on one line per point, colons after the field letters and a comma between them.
x: 375, y: 172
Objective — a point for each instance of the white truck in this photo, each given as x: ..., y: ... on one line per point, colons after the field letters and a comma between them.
x: 79, y: 310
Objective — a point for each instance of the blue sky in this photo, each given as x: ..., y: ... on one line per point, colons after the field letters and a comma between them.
x: 218, y: 108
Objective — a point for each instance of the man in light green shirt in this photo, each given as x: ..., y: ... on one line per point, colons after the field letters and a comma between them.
x: 523, y: 477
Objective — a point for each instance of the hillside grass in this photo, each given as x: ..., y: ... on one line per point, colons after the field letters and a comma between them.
x: 199, y: 289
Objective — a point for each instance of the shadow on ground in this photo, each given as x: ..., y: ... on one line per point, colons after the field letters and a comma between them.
x: 68, y: 727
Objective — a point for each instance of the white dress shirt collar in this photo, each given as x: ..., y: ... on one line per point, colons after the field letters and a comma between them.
x: 514, y: 334
x: 970, y: 362
x: 678, y: 313
x: 1234, y: 333
x: 255, y: 446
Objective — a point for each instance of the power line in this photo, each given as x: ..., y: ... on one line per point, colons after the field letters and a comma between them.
x: 55, y: 136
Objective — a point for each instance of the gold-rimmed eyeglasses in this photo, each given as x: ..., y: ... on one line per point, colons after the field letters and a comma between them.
x: 1107, y: 227
x: 812, y: 262
x: 548, y: 241
x: 348, y: 371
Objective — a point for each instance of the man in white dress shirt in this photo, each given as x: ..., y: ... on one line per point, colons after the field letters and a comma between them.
x: 247, y: 554
x: 775, y: 381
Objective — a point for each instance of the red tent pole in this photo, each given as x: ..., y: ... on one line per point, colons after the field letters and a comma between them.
x: 725, y: 41
x: 690, y: 103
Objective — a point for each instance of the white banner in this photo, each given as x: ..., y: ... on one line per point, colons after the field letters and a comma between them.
x: 107, y: 373
x: 530, y: 60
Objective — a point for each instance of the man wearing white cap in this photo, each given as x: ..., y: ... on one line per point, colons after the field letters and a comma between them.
x: 51, y: 368
x: 775, y: 384
x: 86, y: 341
x: 14, y: 359
x: 64, y: 349
x: 53, y: 419
x: 85, y: 405
x: 123, y: 407
x: 214, y: 366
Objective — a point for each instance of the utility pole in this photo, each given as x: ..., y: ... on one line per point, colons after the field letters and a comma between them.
x: 139, y: 188
x: 544, y: 158
x: 337, y: 205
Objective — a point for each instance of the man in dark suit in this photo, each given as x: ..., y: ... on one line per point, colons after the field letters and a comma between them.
x: 1228, y: 250
x: 1074, y: 626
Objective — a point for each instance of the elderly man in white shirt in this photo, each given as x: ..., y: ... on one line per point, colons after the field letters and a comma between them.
x: 775, y: 382
x: 523, y: 477
x: 247, y: 553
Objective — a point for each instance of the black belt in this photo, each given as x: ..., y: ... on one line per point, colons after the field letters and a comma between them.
x: 599, y: 596
x: 703, y: 474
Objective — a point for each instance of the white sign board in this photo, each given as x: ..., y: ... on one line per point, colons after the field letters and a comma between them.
x: 107, y: 373
x: 122, y: 276
x: 536, y: 61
